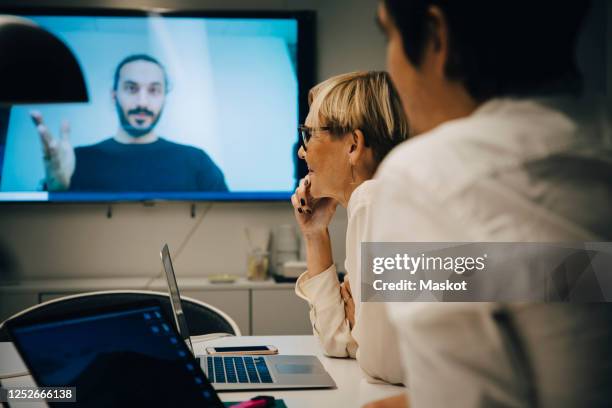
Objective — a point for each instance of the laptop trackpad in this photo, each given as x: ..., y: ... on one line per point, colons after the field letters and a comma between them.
x: 296, y: 368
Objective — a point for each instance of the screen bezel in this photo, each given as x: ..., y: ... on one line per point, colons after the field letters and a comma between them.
x: 306, y: 62
x: 175, y: 297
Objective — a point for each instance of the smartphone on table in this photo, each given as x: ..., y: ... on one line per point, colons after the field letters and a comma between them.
x: 246, y: 350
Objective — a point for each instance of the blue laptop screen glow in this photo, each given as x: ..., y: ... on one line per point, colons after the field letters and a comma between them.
x: 117, y: 357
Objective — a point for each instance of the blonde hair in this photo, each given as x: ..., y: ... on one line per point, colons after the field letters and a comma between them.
x: 364, y: 100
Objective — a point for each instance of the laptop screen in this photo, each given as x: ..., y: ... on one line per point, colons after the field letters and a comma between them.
x: 175, y: 296
x: 120, y: 358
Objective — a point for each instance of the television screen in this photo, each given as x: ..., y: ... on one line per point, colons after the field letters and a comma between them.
x: 182, y: 107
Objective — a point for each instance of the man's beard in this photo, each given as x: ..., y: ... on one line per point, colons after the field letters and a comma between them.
x: 127, y: 126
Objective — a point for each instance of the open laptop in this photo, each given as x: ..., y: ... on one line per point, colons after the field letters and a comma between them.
x: 120, y: 356
x: 239, y: 372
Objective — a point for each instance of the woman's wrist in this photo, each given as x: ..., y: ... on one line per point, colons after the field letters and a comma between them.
x: 318, y: 252
x: 315, y: 235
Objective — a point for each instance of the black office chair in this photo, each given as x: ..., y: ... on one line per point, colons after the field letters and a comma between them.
x: 201, y: 317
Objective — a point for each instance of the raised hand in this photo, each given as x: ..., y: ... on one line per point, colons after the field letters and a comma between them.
x: 312, y: 215
x: 58, y: 154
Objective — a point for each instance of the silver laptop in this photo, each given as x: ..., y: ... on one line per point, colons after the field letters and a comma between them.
x: 240, y: 372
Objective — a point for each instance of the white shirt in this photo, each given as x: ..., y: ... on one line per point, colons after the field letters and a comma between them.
x: 372, y: 340
x: 517, y: 171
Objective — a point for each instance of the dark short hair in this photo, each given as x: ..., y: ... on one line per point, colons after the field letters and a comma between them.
x: 138, y: 57
x: 502, y: 47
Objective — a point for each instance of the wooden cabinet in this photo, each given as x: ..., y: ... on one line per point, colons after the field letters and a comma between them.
x: 234, y: 303
x: 279, y: 312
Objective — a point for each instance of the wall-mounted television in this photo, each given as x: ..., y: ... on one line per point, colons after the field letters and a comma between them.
x: 183, y: 106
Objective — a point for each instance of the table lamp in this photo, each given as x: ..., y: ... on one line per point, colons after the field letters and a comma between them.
x: 36, y: 66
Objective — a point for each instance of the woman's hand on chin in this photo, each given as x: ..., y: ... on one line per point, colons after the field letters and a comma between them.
x: 313, y: 215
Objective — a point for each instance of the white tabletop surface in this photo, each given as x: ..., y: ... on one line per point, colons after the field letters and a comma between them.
x: 353, y: 388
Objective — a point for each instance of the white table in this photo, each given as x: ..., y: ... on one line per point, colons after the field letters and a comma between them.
x: 353, y: 389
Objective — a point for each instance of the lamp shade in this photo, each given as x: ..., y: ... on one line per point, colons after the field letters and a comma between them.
x: 36, y: 66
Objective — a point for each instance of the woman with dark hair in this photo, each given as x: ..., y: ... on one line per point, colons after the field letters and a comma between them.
x: 507, y: 150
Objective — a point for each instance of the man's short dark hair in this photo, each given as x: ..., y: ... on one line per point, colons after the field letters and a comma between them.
x: 138, y: 57
x: 501, y: 47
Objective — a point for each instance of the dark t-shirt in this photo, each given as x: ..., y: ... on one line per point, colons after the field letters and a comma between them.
x: 158, y: 166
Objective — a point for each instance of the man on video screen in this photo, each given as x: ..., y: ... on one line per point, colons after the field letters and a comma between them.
x: 135, y: 158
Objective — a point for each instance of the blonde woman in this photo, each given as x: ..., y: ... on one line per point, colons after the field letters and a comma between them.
x: 355, y: 119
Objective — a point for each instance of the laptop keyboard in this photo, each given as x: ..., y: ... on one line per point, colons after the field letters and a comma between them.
x: 241, y: 369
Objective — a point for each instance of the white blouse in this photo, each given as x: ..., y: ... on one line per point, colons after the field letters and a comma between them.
x: 516, y: 170
x: 372, y: 340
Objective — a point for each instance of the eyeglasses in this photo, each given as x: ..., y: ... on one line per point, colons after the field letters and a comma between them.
x: 306, y: 133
